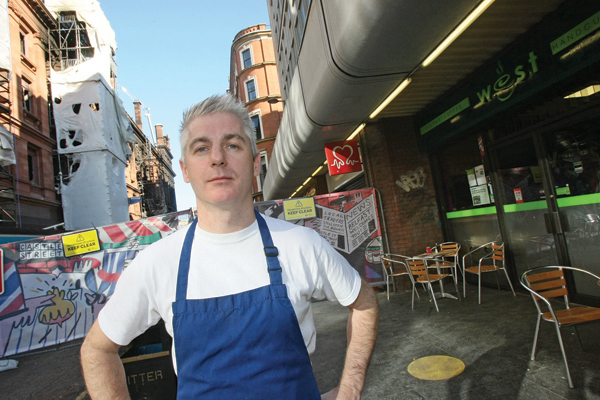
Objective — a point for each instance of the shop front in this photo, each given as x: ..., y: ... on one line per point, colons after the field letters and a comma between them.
x: 515, y: 149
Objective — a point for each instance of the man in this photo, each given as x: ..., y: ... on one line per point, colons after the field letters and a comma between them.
x: 234, y: 289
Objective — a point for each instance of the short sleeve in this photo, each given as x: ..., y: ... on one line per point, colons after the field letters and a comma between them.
x: 129, y: 312
x: 336, y: 280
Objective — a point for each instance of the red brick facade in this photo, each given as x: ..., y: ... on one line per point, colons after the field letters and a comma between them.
x: 411, y: 217
x: 260, y: 69
x: 28, y: 188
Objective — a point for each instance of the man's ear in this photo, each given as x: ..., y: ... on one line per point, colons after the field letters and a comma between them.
x: 184, y: 170
x: 257, y: 164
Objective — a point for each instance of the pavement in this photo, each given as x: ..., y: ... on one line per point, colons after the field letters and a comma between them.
x: 493, y: 340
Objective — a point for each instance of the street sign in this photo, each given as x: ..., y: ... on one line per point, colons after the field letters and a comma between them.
x: 81, y: 243
x: 299, y: 208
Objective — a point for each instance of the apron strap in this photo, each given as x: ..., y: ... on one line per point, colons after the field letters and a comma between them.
x: 271, y: 254
x: 184, y: 263
x: 271, y: 251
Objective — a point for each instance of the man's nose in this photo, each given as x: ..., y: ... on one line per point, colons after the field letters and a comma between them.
x: 218, y: 156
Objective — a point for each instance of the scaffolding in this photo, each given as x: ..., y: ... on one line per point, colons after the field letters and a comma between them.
x: 9, y: 209
x: 72, y: 45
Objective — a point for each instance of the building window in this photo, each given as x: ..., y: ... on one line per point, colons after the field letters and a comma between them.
x: 257, y: 125
x: 32, y: 163
x: 247, y: 58
x: 23, y: 42
x: 250, y: 90
x: 26, y: 93
x: 260, y: 179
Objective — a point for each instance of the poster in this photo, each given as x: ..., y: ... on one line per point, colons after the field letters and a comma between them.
x: 480, y: 175
x: 480, y: 195
x: 50, y: 298
x: 349, y: 222
x: 471, y: 177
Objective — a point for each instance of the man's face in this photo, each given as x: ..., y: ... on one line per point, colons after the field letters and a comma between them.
x: 218, y: 161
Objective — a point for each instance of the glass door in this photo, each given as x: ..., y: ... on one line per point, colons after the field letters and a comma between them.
x: 523, y: 199
x: 573, y: 155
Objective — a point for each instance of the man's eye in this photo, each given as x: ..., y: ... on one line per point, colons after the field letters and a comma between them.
x: 201, y: 149
x: 233, y: 146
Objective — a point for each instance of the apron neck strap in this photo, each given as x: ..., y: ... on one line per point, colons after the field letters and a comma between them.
x: 271, y: 251
x: 271, y: 254
x: 184, y: 262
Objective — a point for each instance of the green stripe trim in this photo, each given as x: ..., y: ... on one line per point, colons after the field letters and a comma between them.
x: 471, y: 213
x: 446, y: 115
x: 532, y: 205
x: 579, y: 200
x: 576, y: 34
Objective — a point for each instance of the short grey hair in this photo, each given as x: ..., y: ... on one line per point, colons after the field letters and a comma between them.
x: 224, y: 103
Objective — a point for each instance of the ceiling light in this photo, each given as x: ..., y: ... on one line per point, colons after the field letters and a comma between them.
x: 456, y: 32
x: 391, y: 97
x: 356, y: 132
x: 318, y: 170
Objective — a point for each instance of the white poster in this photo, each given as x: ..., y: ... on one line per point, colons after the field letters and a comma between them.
x: 480, y: 195
x: 480, y: 175
x: 471, y: 177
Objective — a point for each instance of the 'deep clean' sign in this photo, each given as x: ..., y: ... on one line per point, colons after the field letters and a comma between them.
x: 299, y: 208
x: 81, y: 243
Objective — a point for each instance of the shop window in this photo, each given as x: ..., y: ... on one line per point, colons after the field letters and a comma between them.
x: 26, y: 95
x: 256, y: 120
x: 466, y: 182
x: 32, y: 163
x: 251, y: 90
x: 247, y: 58
x: 260, y: 179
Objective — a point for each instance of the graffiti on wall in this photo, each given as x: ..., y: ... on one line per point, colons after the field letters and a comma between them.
x: 51, y: 299
x: 412, y: 180
x: 349, y: 222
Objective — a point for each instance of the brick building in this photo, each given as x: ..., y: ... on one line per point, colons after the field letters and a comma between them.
x: 28, y: 198
x: 253, y: 80
x: 60, y: 140
x: 477, y: 120
x: 149, y: 174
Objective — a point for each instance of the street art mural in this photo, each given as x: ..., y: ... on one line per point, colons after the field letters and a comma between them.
x: 50, y: 299
x: 349, y: 221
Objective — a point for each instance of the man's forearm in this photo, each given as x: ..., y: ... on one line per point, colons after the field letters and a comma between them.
x: 362, y: 332
x: 102, y: 368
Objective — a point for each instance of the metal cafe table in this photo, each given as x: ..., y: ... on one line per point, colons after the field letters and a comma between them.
x: 439, y: 257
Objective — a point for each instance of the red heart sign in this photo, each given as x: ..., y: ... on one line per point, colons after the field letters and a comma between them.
x: 342, y: 157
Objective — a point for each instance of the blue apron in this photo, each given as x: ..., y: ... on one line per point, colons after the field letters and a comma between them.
x: 242, y: 346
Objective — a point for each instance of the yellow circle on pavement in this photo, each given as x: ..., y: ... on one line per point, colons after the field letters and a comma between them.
x: 436, y: 368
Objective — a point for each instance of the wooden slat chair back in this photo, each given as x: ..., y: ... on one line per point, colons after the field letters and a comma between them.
x: 547, y: 283
x: 393, y: 266
x: 419, y: 269
x: 450, y: 259
x: 494, y: 252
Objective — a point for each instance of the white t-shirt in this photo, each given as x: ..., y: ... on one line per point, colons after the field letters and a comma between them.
x: 224, y: 264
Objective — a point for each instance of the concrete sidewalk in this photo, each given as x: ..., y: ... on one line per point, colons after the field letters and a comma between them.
x: 493, y: 340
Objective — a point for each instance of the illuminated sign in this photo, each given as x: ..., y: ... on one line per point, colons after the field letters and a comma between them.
x: 342, y: 157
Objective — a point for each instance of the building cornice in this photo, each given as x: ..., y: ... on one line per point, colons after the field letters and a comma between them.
x: 255, y: 66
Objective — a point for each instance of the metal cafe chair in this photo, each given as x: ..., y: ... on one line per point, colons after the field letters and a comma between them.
x: 394, y: 265
x: 450, y: 260
x: 420, y: 273
x: 545, y: 283
x: 495, y: 254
